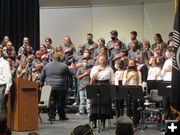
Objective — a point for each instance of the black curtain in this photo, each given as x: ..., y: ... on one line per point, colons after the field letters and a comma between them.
x: 18, y: 19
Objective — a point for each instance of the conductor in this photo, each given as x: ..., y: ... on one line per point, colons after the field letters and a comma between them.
x: 55, y: 74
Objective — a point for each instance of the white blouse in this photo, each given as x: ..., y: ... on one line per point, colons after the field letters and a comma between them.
x: 106, y: 74
x: 131, y: 81
x: 117, y: 77
x: 152, y: 73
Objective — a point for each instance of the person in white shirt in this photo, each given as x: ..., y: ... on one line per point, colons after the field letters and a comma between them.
x: 102, y: 74
x: 166, y: 75
x: 132, y: 77
x: 166, y: 72
x: 5, y: 83
x: 121, y: 66
x: 154, y: 70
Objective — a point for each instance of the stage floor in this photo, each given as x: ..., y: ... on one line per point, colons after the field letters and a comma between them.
x: 65, y: 127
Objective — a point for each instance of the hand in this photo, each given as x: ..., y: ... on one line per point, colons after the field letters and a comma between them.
x: 38, y: 74
x: 91, y: 47
x: 87, y: 72
x: 24, y: 71
x: 6, y: 93
x: 4, y: 48
x: 112, y: 46
x: 101, y: 69
x: 169, y: 68
x: 40, y: 89
x: 67, y: 50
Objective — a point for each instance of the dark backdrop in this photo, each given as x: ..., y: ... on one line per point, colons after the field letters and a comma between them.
x: 18, y: 19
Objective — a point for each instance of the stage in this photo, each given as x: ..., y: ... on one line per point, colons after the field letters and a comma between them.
x: 65, y: 127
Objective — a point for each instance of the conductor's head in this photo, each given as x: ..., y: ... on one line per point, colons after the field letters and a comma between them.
x: 57, y: 57
x: 124, y: 126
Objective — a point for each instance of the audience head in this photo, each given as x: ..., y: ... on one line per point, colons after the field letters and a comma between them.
x: 170, y: 36
x: 25, y: 40
x: 114, y: 34
x: 133, y: 35
x: 82, y: 130
x: 124, y: 126
x: 33, y: 133
x: 48, y: 41
x: 101, y: 42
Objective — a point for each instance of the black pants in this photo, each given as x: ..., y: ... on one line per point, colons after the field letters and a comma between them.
x: 57, y: 102
x: 132, y: 106
x: 119, y: 107
x: 166, y: 105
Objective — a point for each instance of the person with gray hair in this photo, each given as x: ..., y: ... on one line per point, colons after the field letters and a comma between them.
x: 124, y: 126
x: 5, y: 83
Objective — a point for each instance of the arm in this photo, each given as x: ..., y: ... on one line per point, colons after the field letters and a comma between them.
x: 42, y: 77
x: 82, y: 75
x: 7, y: 73
x: 19, y: 75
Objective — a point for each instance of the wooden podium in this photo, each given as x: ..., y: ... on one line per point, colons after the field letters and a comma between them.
x: 22, y: 106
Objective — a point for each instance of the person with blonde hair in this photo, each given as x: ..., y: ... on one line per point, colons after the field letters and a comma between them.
x: 132, y: 76
x: 147, y: 48
x: 23, y: 71
x: 68, y: 49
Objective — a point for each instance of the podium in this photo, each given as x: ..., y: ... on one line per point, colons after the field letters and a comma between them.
x: 22, y: 106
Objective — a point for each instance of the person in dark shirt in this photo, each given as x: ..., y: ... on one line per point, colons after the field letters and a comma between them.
x: 55, y: 74
x: 90, y: 45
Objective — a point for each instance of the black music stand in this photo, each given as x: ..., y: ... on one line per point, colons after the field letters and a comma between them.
x: 100, y: 92
x: 164, y: 88
x: 130, y: 92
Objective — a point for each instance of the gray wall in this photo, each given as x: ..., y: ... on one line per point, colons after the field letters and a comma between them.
x: 76, y: 22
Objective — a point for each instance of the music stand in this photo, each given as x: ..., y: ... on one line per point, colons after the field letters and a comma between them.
x: 99, y: 92
x: 130, y: 92
x: 164, y: 88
